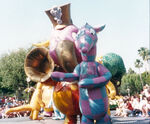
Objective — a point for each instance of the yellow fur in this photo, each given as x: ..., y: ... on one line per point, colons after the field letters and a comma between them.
x: 35, y: 104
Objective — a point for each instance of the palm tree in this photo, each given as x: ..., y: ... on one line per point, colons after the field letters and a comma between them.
x: 145, y: 54
x: 138, y: 64
x: 147, y: 59
x: 130, y: 71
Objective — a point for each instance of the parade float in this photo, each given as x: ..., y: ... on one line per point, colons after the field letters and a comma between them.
x: 62, y: 53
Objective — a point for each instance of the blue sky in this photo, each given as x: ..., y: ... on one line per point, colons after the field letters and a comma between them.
x: 23, y: 22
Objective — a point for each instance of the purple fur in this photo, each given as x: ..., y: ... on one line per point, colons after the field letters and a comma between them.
x: 61, y: 35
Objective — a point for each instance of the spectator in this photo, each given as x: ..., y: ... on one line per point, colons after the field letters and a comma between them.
x: 143, y: 105
x: 146, y: 91
x: 119, y: 109
x: 128, y: 109
x: 136, y: 106
x: 9, y: 102
x: 148, y: 107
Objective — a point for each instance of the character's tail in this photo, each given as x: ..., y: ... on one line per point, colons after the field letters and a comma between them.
x: 19, y: 109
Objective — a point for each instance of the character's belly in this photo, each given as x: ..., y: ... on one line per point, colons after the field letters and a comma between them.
x: 94, y: 102
x: 66, y: 99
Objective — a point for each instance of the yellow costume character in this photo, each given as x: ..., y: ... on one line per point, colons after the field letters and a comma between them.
x: 35, y: 104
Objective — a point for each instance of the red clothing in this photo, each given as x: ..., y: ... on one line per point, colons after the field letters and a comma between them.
x: 129, y: 106
x: 3, y: 100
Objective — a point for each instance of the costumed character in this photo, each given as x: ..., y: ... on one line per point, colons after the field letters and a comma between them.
x: 66, y: 57
x: 46, y: 91
x: 40, y: 98
x: 35, y: 104
x: 63, y: 54
x: 57, y: 114
x: 62, y: 47
x: 38, y: 67
x: 92, y: 77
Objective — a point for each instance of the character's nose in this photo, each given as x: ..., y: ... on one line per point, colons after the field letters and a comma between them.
x: 84, y: 50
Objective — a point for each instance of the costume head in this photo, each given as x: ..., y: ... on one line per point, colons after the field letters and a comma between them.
x: 86, y: 41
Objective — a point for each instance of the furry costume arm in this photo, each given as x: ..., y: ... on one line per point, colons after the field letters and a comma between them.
x: 60, y: 76
x: 100, y: 81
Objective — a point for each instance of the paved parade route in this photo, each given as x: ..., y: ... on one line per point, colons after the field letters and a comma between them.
x: 115, y: 120
x: 26, y: 120
x: 130, y: 120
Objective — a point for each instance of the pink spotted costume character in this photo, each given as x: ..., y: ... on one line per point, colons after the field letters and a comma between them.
x: 92, y: 77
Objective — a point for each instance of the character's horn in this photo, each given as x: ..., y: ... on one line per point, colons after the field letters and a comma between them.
x: 42, y: 44
x: 38, y: 64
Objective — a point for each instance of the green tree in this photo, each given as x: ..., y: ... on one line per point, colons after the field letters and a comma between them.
x: 146, y: 78
x: 13, y: 78
x: 145, y: 54
x: 132, y: 82
x: 138, y: 64
x: 131, y: 71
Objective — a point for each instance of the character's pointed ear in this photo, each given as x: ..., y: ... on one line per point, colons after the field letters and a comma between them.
x: 86, y: 23
x: 98, y: 29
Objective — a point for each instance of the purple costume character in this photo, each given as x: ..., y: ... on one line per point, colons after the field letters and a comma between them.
x: 92, y: 77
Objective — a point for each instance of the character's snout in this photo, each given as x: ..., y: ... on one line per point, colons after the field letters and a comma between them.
x: 84, y: 50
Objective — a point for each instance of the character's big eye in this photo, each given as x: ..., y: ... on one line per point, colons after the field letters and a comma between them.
x: 92, y: 31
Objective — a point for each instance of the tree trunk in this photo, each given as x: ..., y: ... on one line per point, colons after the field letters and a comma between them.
x: 141, y: 77
x: 148, y: 66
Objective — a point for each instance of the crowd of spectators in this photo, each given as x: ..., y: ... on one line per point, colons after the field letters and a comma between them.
x: 137, y: 105
x: 9, y: 102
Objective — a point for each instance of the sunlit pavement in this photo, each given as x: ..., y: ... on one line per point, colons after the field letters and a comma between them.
x: 26, y: 120
x: 129, y: 120
x: 115, y: 120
